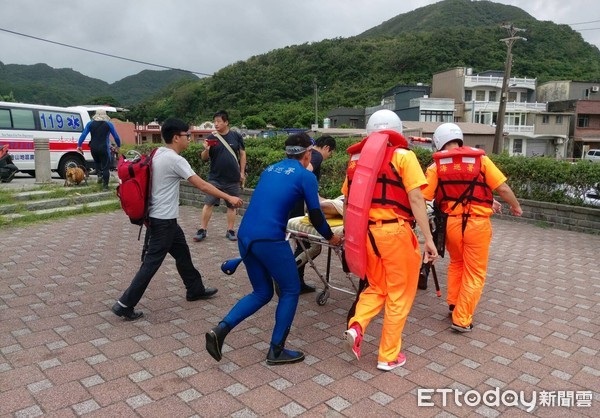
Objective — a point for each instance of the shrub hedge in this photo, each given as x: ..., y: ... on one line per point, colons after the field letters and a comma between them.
x: 536, y: 178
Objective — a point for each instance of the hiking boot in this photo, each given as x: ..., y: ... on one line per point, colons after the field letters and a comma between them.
x: 230, y: 235
x: 462, y: 329
x: 215, y: 339
x: 354, y: 338
x: 391, y: 365
x: 278, y: 355
x: 200, y: 235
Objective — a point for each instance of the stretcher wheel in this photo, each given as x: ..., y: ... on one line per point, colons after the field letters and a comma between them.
x: 322, y: 297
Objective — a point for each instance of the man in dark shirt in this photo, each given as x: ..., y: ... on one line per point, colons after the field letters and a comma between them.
x: 227, y: 171
x: 100, y: 129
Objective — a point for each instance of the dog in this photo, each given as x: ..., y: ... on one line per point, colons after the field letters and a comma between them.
x: 74, y: 176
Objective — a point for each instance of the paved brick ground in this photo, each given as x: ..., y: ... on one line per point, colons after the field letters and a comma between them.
x: 63, y: 353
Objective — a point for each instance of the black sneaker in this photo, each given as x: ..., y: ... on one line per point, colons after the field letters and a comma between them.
x: 230, y: 235
x: 277, y: 357
x: 200, y: 235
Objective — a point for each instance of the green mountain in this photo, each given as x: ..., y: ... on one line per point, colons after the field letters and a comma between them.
x: 42, y: 84
x: 448, y: 14
x: 279, y: 87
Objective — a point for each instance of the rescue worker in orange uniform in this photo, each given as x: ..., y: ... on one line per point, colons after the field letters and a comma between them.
x: 392, y: 249
x: 462, y: 180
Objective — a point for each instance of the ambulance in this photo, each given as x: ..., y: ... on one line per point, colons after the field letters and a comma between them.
x: 20, y: 123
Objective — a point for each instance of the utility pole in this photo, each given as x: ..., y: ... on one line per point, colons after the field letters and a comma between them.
x: 316, y: 101
x: 499, y: 136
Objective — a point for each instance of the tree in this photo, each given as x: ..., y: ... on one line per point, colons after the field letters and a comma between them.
x: 254, y: 122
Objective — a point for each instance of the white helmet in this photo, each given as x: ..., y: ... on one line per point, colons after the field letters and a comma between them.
x: 445, y: 133
x: 384, y: 119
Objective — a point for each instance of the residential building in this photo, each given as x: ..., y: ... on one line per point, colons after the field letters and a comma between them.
x: 346, y: 117
x: 150, y: 133
x: 581, y: 99
x: 584, y: 128
x: 412, y: 102
x: 477, y: 100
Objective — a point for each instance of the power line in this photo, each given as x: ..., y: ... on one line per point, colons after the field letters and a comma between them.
x: 582, y: 23
x: 102, y: 53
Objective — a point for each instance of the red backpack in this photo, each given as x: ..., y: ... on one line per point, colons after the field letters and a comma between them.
x: 135, y: 177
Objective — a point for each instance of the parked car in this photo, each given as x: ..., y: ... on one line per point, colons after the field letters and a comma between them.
x: 593, y: 155
x: 591, y: 197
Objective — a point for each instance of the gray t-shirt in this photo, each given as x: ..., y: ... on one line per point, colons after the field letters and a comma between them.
x: 168, y: 168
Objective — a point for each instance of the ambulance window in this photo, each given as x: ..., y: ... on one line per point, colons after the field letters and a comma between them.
x: 5, y: 118
x: 23, y: 119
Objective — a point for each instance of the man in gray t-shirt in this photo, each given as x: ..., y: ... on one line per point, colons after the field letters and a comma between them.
x: 164, y: 235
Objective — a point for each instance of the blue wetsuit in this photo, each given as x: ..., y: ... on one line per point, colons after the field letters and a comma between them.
x: 261, y: 240
x: 100, y: 131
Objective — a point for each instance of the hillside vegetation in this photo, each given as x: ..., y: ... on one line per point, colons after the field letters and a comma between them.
x: 278, y: 87
x: 42, y: 84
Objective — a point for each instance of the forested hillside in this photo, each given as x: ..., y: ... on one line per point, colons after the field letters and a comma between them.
x: 278, y: 87
x: 42, y: 84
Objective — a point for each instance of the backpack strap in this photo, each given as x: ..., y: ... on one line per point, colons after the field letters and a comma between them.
x: 147, y: 205
x: 225, y: 144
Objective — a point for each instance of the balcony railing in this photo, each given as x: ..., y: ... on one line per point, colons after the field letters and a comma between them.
x: 480, y: 81
x: 524, y: 107
x: 519, y: 129
x: 432, y: 104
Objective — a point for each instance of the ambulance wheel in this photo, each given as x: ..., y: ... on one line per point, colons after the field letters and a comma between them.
x: 322, y: 297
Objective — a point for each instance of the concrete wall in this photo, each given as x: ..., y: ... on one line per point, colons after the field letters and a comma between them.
x: 572, y: 218
x: 190, y: 196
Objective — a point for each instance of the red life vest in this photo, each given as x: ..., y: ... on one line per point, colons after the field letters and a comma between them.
x: 389, y: 192
x: 460, y: 179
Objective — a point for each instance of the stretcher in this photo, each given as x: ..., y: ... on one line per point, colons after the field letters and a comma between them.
x: 299, y: 229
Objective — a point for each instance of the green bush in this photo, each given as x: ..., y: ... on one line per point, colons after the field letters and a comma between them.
x: 538, y: 178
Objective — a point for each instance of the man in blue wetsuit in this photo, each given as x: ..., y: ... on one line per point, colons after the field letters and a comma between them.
x: 267, y: 255
x: 100, y: 128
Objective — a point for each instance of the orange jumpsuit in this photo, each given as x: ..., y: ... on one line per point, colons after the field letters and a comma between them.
x: 469, y: 251
x: 394, y: 274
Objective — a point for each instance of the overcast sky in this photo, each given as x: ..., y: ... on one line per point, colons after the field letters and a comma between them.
x: 205, y: 36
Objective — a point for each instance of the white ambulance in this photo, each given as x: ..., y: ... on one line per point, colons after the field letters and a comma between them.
x: 20, y: 123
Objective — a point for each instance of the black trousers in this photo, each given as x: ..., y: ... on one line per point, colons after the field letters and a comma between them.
x: 166, y: 237
x: 102, y: 158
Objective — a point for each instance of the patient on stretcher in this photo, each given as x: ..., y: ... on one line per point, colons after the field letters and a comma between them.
x: 333, y: 209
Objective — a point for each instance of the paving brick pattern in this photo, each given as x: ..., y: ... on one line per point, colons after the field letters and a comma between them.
x: 63, y: 353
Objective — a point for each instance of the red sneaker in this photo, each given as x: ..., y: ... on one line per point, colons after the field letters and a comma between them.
x: 354, y: 338
x: 400, y: 361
